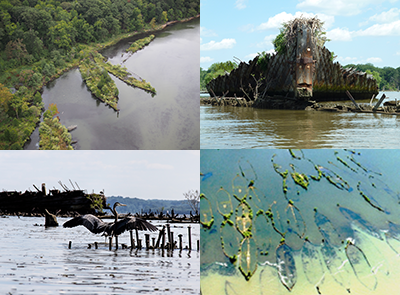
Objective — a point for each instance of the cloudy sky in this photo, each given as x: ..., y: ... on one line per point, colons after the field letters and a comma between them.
x: 141, y: 174
x: 361, y: 31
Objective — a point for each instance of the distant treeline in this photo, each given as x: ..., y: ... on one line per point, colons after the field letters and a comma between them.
x: 388, y: 78
x: 135, y: 205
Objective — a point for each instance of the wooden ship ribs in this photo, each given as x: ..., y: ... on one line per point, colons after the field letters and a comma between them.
x: 305, y: 72
x: 63, y: 202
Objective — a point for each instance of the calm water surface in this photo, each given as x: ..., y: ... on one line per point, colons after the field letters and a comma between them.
x: 233, y: 127
x: 169, y: 120
x: 36, y: 260
x: 350, y: 196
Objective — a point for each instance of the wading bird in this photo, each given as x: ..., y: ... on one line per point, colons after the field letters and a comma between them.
x: 111, y: 229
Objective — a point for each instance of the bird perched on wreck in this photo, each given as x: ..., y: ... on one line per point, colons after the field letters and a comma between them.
x: 112, y: 229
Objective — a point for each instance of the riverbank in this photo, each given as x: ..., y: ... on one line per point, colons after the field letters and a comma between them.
x: 15, y: 130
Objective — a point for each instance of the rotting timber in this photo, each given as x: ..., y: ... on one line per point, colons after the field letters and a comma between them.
x: 297, y: 78
x: 66, y: 202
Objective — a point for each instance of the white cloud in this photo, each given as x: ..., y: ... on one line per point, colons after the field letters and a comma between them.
x: 398, y: 53
x: 205, y: 59
x: 339, y: 34
x: 206, y: 32
x: 223, y: 44
x: 336, y: 7
x: 267, y: 41
x: 374, y: 60
x: 251, y: 56
x: 388, y: 29
x: 355, y: 60
x: 386, y: 16
x: 240, y: 4
x: 277, y: 20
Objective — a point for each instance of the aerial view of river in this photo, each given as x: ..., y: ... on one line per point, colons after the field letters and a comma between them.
x: 301, y: 222
x: 168, y: 120
x: 245, y: 128
x: 36, y: 260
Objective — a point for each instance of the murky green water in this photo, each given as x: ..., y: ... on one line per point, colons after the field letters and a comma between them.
x: 244, y: 128
x: 300, y: 221
x: 169, y: 120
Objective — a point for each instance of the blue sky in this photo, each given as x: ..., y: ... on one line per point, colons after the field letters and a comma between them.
x: 361, y: 31
x: 141, y: 174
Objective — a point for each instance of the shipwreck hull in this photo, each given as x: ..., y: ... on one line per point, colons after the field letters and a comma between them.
x: 312, y: 77
x: 37, y: 202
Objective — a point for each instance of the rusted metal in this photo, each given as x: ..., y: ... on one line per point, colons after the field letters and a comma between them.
x: 304, y: 64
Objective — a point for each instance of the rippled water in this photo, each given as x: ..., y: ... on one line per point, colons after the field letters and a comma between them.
x: 235, y: 127
x: 334, y: 231
x: 36, y: 260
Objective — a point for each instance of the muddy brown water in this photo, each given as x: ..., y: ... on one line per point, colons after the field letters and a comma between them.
x: 244, y: 128
x: 36, y: 260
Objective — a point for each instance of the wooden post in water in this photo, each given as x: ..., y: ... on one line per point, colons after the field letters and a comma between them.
x: 137, y: 236
x: 69, y: 244
x: 95, y: 245
x: 147, y: 237
x: 172, y: 241
x: 198, y: 245
x: 169, y: 236
x: 132, y: 241
x: 353, y: 101
x: 116, y: 242
x: 140, y: 244
x: 379, y: 102
x: 159, y: 237
x: 190, y: 237
x: 163, y: 239
x: 110, y: 243
x: 180, y: 241
x: 154, y: 241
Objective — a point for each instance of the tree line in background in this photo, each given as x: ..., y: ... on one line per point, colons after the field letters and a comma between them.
x: 32, y: 29
x: 388, y: 78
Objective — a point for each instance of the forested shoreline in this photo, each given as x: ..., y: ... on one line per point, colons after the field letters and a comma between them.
x: 40, y: 40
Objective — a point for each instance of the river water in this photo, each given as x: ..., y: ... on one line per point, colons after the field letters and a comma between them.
x: 351, y: 196
x: 235, y: 127
x: 169, y: 120
x: 36, y: 260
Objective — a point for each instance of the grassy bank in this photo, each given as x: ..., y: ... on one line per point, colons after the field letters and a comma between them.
x: 139, y: 44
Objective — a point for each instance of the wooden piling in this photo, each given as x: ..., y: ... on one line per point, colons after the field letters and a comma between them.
x: 172, y: 241
x: 147, y: 237
x: 109, y: 243
x: 89, y: 246
x: 352, y: 99
x: 180, y: 241
x: 132, y: 240
x: 190, y: 237
x: 159, y: 236
x: 198, y: 245
x: 153, y: 242
x: 379, y: 102
x: 169, y: 236
x: 137, y: 237
x: 163, y: 239
x: 95, y: 245
x: 140, y: 244
x: 116, y: 242
x: 69, y: 244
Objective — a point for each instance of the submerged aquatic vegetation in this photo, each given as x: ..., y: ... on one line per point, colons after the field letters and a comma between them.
x: 99, y: 82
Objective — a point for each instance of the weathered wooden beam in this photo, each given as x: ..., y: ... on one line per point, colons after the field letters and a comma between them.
x: 379, y: 102
x: 352, y: 99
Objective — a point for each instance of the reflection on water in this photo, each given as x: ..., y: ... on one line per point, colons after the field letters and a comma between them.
x: 37, y: 260
x: 169, y: 120
x: 300, y: 221
x: 235, y: 127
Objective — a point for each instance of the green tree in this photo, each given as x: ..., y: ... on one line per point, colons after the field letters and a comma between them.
x: 153, y: 23
x: 376, y: 76
x: 164, y: 17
